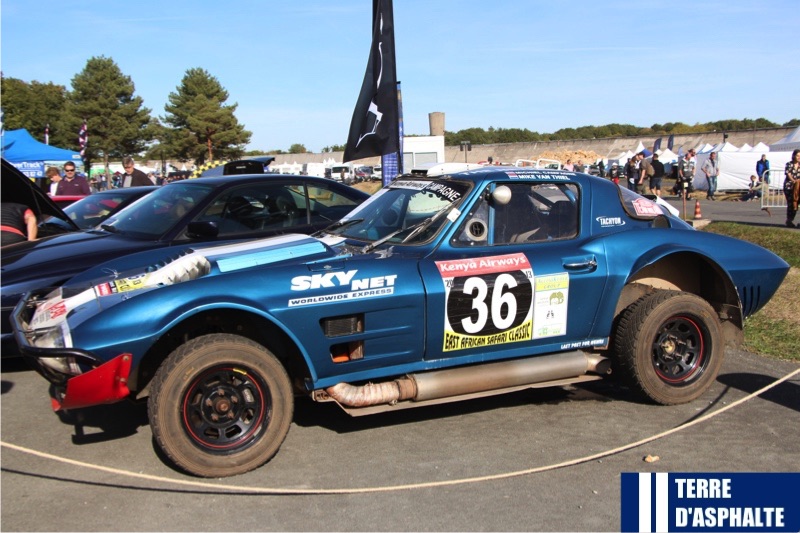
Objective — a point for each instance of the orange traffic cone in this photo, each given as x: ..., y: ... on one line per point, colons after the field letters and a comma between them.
x: 697, y: 214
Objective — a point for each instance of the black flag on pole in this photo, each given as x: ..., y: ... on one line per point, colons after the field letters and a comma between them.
x: 374, y: 127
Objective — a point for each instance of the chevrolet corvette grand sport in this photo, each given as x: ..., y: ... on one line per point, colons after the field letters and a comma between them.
x: 435, y: 289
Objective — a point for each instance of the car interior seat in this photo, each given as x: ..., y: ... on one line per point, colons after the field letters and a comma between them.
x: 282, y: 208
x: 562, y: 222
x: 517, y: 220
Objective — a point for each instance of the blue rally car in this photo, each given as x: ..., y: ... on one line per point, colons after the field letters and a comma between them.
x: 435, y: 289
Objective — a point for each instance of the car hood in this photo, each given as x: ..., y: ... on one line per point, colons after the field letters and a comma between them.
x: 116, y: 281
x: 19, y: 189
x: 66, y: 254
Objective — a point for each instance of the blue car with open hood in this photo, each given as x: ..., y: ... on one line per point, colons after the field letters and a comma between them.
x: 437, y: 288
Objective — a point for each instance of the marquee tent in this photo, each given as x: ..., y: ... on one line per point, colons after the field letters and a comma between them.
x: 745, y: 148
x: 667, y: 156
x: 788, y: 143
x: 735, y: 169
x: 725, y: 147
x: 29, y: 155
x: 761, y: 148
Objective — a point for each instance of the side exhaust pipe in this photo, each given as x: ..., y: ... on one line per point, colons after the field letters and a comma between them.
x: 462, y: 381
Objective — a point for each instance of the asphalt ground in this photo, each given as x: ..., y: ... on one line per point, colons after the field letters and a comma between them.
x: 481, y: 465
x: 730, y: 210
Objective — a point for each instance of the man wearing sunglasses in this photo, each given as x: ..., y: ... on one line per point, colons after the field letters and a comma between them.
x: 72, y: 184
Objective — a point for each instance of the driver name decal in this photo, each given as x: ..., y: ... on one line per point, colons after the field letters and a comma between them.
x: 489, y: 301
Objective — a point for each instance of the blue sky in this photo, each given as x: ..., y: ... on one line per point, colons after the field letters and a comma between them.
x: 295, y: 67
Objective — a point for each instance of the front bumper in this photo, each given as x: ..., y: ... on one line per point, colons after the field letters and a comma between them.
x: 89, y: 382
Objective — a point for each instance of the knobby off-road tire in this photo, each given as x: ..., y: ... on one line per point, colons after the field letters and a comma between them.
x: 220, y: 405
x: 669, y: 346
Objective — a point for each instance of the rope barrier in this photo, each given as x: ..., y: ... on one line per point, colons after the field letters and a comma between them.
x: 392, y: 488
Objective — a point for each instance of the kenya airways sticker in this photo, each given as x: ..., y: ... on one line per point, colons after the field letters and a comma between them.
x: 489, y: 301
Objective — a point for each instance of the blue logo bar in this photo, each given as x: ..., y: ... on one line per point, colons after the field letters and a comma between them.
x: 677, y: 502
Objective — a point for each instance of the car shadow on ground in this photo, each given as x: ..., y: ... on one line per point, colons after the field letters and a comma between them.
x: 787, y: 394
x: 105, y: 422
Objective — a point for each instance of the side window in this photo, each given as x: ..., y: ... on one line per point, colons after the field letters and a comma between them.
x: 538, y: 212
x: 326, y: 206
x: 261, y: 208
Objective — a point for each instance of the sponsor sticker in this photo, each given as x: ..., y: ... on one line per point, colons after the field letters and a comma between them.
x: 710, y: 502
x: 489, y: 301
x: 646, y: 208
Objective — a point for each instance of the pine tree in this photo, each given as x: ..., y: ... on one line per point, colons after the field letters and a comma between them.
x: 117, y: 123
x: 203, y: 127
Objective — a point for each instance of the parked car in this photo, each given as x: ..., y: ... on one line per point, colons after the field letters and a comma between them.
x: 18, y: 188
x: 435, y: 289
x: 91, y: 210
x: 183, y: 212
x: 63, y: 201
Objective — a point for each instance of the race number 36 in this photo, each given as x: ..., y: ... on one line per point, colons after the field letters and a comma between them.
x: 488, y: 301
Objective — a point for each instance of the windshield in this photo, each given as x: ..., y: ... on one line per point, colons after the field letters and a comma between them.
x: 408, y: 211
x: 155, y: 214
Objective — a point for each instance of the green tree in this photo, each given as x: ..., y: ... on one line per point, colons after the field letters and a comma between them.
x: 297, y: 149
x: 117, y: 122
x: 334, y: 148
x: 33, y: 106
x: 204, y: 128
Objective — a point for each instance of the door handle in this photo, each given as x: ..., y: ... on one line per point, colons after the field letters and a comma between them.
x: 589, y: 263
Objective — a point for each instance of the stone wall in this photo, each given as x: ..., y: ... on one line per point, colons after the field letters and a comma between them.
x: 610, y: 147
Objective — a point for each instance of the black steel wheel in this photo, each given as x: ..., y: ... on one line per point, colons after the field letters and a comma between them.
x: 220, y: 405
x: 669, y: 346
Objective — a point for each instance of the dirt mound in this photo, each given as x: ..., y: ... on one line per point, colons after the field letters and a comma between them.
x: 587, y: 156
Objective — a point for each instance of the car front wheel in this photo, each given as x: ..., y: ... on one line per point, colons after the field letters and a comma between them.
x: 669, y: 346
x: 220, y: 405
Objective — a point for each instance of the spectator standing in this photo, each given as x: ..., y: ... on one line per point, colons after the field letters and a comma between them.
x: 72, y: 184
x: 762, y: 166
x: 711, y: 170
x: 791, y: 188
x: 133, y: 177
x: 685, y: 176
x: 601, y: 168
x: 658, y: 175
x: 54, y: 176
x: 17, y: 223
x: 613, y: 173
x: 645, y: 171
x: 580, y: 167
x: 631, y: 173
x: 568, y: 165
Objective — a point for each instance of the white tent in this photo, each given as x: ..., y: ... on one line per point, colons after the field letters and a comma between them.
x: 725, y: 147
x: 667, y: 156
x: 788, y: 143
x: 705, y: 149
x: 761, y: 148
x: 639, y: 148
x: 745, y: 148
x: 735, y: 169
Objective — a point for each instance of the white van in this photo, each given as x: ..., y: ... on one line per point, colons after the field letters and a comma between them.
x: 343, y: 172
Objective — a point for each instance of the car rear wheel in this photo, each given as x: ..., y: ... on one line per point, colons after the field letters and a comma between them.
x: 220, y: 405
x: 669, y: 346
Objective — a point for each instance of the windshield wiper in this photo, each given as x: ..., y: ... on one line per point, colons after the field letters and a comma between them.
x: 340, y: 224
x: 415, y: 230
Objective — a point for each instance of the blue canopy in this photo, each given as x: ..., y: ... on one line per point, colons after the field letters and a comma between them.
x: 29, y: 155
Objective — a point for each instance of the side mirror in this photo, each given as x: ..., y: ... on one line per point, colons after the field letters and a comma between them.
x: 202, y: 230
x: 501, y: 195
